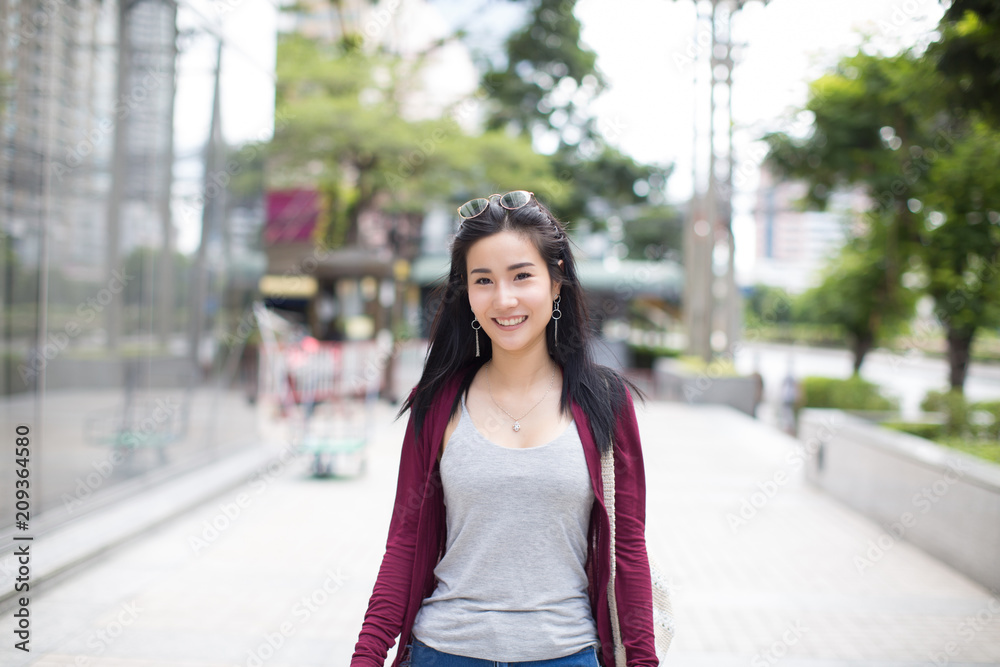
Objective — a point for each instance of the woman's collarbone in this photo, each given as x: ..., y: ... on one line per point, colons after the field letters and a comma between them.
x: 534, y: 430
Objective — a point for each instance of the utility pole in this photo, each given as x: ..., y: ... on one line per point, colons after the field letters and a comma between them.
x: 698, y: 240
x: 712, y: 304
x: 212, y: 200
x: 165, y: 293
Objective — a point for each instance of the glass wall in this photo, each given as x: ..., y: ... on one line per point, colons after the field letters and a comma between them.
x: 124, y: 361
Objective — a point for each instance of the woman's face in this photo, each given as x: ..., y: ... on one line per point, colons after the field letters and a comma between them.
x: 510, y: 290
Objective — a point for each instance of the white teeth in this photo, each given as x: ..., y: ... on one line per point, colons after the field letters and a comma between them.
x: 510, y: 323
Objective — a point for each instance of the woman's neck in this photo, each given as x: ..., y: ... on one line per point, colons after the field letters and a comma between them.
x: 520, y: 371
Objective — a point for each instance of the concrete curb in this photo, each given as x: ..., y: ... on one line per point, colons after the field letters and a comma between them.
x: 896, y: 479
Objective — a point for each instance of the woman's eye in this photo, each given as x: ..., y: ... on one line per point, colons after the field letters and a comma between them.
x: 520, y: 276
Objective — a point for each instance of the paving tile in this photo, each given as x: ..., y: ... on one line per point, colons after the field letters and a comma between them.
x: 294, y: 568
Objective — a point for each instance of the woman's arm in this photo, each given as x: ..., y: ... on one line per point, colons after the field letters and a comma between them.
x: 384, y: 618
x: 632, y: 581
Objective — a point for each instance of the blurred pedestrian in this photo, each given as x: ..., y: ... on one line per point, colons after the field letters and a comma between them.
x: 499, y: 544
x: 789, y: 401
x: 758, y: 391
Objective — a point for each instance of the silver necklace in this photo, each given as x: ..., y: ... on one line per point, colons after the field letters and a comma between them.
x: 517, y: 420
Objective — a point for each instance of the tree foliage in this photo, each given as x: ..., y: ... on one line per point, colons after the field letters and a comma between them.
x: 851, y: 295
x: 968, y: 55
x: 543, y: 91
x: 925, y: 150
x: 655, y: 233
x: 769, y: 304
x: 548, y: 79
x: 344, y: 129
x: 869, y: 131
x: 961, y: 241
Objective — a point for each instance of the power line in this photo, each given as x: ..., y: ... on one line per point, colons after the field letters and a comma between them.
x: 209, y: 27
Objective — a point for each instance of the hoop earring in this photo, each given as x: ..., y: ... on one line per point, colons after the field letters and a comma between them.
x: 477, y: 327
x: 556, y: 315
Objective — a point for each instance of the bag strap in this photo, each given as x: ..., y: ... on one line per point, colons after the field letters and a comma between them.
x: 608, y: 480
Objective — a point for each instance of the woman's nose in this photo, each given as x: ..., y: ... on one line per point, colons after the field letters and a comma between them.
x: 504, y: 296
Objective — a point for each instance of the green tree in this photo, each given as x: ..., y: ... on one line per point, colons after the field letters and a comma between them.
x: 655, y: 233
x: 343, y: 128
x: 767, y: 304
x: 871, y: 122
x: 961, y: 241
x: 542, y: 91
x: 895, y: 127
x: 547, y: 79
x: 850, y: 297
x: 872, y: 128
x: 968, y: 56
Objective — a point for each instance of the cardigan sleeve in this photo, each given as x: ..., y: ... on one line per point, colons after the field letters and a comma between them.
x: 633, y: 587
x: 384, y: 619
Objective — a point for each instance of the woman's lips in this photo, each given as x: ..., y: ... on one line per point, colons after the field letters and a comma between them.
x: 504, y: 327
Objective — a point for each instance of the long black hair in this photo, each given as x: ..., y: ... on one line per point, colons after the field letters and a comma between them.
x: 598, y: 389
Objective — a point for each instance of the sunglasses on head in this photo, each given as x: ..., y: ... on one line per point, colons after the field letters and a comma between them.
x: 512, y: 200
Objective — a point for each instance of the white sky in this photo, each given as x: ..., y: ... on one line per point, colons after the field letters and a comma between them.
x: 643, y: 47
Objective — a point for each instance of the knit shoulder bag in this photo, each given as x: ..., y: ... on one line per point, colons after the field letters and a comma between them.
x: 663, y: 616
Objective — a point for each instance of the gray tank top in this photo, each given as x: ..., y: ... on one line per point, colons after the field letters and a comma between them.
x: 512, y: 585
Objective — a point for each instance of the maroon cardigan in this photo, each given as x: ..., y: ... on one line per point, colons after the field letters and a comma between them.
x: 418, y: 532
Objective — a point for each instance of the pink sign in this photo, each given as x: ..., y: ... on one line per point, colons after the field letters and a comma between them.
x: 291, y: 215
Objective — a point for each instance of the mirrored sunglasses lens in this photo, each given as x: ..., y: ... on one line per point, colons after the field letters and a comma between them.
x: 473, y: 207
x: 515, y: 199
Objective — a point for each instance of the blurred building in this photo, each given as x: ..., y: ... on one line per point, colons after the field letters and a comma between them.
x: 59, y: 111
x: 793, y: 245
x: 147, y: 105
x: 57, y: 70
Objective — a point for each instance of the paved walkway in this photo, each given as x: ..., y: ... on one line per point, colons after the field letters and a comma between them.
x: 278, y: 571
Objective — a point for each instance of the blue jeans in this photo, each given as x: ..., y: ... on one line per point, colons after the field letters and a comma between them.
x: 422, y: 655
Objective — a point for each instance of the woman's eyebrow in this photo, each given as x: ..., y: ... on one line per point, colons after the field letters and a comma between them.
x: 509, y: 268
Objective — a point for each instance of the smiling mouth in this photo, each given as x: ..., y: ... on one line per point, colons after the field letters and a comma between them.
x: 512, y: 322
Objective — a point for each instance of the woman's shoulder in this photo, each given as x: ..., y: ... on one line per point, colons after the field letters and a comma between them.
x: 447, y: 390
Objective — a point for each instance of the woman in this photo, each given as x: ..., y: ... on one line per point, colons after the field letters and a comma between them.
x: 499, y: 544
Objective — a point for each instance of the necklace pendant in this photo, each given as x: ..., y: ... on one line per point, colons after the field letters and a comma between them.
x: 517, y: 426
